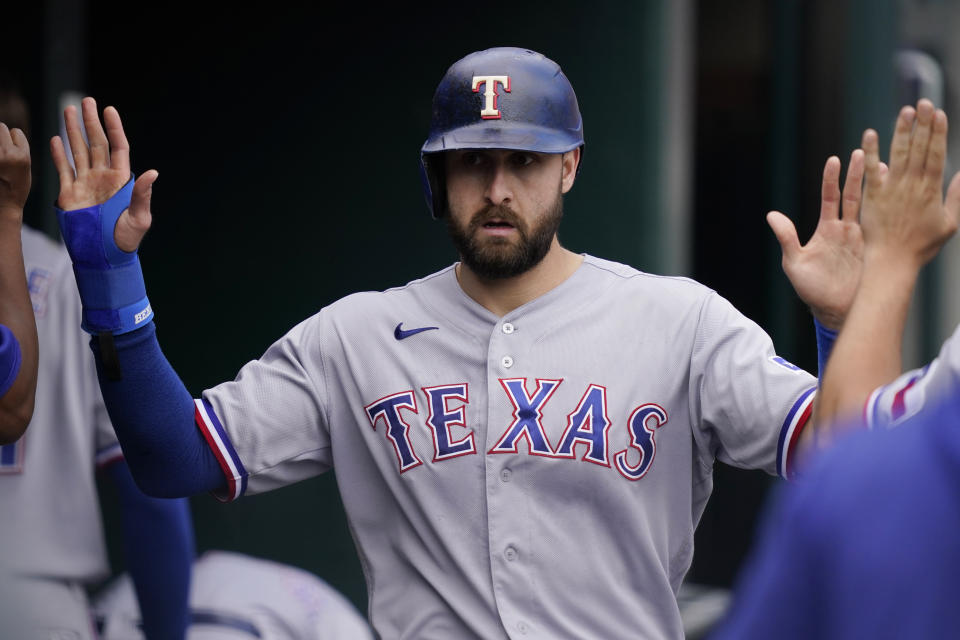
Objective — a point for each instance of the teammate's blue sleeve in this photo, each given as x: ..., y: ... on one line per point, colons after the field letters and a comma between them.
x: 9, y: 358
x: 159, y: 549
x: 825, y: 339
x: 153, y: 415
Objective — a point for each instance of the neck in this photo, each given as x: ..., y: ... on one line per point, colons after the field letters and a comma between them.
x: 503, y: 295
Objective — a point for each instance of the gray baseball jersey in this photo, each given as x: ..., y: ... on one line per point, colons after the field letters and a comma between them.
x: 233, y: 595
x: 895, y: 402
x: 538, y: 475
x: 52, y: 525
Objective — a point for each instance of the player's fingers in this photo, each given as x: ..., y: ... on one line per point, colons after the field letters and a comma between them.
x: 20, y: 140
x: 6, y: 142
x: 119, y: 147
x: 59, y: 155
x: 830, y: 190
x: 900, y: 144
x: 853, y: 187
x: 99, y: 151
x: 937, y: 152
x: 871, y: 159
x: 135, y: 221
x: 78, y: 146
x: 785, y: 232
x: 884, y: 170
x: 921, y: 137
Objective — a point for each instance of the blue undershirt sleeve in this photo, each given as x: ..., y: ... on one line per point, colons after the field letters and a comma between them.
x: 825, y: 339
x: 153, y: 415
x: 9, y: 358
x: 159, y: 549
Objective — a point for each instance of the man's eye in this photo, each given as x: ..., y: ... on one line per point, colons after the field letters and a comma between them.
x: 522, y: 159
x: 472, y: 159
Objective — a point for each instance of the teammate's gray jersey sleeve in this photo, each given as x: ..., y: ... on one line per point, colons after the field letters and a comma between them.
x: 749, y: 403
x: 272, y: 416
x: 893, y: 403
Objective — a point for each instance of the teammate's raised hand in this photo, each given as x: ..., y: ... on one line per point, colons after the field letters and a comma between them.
x: 904, y: 213
x: 14, y: 172
x: 102, y: 168
x: 825, y: 271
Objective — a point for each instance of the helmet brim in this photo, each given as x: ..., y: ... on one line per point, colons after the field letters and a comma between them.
x: 505, y: 135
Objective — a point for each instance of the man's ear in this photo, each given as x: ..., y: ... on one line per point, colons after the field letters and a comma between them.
x: 571, y: 161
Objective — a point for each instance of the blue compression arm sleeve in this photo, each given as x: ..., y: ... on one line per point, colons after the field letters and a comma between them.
x: 825, y: 340
x: 158, y: 546
x: 153, y: 415
x: 9, y: 358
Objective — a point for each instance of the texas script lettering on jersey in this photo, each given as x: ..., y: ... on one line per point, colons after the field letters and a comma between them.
x: 587, y: 425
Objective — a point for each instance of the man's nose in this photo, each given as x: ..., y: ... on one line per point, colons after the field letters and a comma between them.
x: 499, y: 189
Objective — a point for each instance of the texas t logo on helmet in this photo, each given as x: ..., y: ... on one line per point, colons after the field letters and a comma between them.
x: 490, y: 95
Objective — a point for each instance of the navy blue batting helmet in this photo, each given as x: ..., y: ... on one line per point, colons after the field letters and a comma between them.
x: 501, y: 98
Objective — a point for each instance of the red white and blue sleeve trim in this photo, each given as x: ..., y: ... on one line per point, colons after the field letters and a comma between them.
x: 790, y: 432
x: 219, y: 442
x: 108, y: 455
x: 889, y: 404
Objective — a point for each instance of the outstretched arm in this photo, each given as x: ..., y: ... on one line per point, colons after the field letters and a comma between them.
x: 905, y: 222
x: 825, y: 271
x: 103, y: 218
x: 18, y: 332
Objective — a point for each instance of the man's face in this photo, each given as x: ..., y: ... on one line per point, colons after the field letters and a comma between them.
x: 505, y: 207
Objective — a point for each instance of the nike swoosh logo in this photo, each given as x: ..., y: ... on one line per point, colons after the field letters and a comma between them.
x: 401, y: 334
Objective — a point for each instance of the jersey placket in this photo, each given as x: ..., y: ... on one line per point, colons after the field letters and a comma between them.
x: 511, y: 553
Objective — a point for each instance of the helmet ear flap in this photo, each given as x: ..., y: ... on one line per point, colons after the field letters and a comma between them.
x: 433, y: 174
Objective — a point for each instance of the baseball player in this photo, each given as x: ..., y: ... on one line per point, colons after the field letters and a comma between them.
x: 51, y: 539
x: 238, y: 596
x: 18, y: 333
x: 524, y: 440
x: 843, y: 553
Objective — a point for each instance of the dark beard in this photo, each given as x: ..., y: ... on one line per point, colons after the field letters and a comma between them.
x: 499, y: 258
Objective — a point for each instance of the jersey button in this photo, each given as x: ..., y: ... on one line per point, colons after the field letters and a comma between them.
x: 507, y: 328
x: 522, y: 627
x: 510, y: 554
x: 505, y: 475
x: 507, y: 362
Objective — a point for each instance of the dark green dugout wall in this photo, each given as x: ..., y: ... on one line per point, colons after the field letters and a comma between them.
x: 287, y: 145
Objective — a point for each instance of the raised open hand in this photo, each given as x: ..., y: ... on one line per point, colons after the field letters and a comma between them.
x: 904, y: 214
x: 14, y: 172
x: 102, y: 168
x: 825, y: 271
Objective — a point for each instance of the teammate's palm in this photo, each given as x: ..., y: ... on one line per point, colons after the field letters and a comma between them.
x: 14, y: 170
x: 904, y: 209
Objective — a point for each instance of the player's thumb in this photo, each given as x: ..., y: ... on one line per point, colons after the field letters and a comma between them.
x: 135, y: 221
x: 786, y: 233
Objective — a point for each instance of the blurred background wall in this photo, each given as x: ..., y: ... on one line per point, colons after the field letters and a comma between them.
x: 287, y: 140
